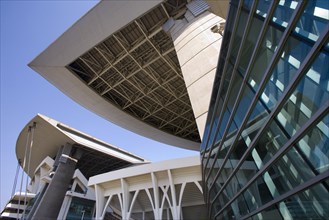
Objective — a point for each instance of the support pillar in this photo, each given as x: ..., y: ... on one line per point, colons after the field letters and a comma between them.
x: 156, y: 210
x: 197, y: 48
x: 100, y: 201
x: 175, y: 208
x: 51, y: 202
x: 125, y: 199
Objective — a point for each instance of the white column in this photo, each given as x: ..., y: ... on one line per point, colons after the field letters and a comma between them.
x: 156, y: 210
x: 180, y: 213
x: 65, y: 207
x: 125, y: 199
x: 197, y: 50
x: 100, y: 201
x: 175, y: 211
x: 43, y: 173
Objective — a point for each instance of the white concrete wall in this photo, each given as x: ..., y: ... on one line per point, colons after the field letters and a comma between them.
x: 198, y: 49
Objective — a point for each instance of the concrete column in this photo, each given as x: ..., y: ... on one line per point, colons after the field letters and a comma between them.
x: 156, y: 210
x: 174, y: 209
x: 125, y: 199
x: 52, y: 200
x: 100, y: 201
x: 58, y: 156
x: 197, y: 48
x: 63, y: 211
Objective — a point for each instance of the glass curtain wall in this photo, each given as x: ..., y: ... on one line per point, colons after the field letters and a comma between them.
x: 265, y: 150
x: 81, y: 209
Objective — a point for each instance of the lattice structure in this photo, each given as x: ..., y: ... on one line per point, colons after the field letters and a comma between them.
x: 137, y: 70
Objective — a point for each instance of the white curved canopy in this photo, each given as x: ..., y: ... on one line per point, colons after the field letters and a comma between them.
x: 45, y: 136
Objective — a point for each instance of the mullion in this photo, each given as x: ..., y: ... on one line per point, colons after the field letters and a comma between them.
x: 285, y: 96
x: 297, y: 137
x: 248, y: 72
x: 300, y: 188
x: 267, y: 75
x: 229, y: 53
x: 225, y: 67
x: 234, y: 73
x: 212, y: 113
x: 239, y: 9
x: 216, y: 103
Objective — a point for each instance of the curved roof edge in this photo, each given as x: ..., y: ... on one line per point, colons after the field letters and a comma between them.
x: 192, y: 161
x: 99, y: 23
x: 50, y: 134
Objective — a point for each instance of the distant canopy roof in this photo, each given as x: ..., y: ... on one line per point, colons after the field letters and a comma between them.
x: 49, y: 135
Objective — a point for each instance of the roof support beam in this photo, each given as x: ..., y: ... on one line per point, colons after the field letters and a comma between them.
x: 156, y: 49
x: 165, y: 10
x: 88, y: 65
x: 145, y: 70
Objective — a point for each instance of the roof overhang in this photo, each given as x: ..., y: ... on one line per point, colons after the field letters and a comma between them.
x: 98, y: 24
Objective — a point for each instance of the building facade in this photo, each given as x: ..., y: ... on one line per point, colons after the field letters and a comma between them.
x: 270, y: 111
x: 265, y: 135
x: 57, y: 162
x: 103, y: 182
x: 147, y: 66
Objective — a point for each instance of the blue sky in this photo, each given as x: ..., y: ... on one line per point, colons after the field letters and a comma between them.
x: 27, y: 28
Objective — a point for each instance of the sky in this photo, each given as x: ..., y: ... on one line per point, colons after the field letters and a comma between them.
x: 28, y: 28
